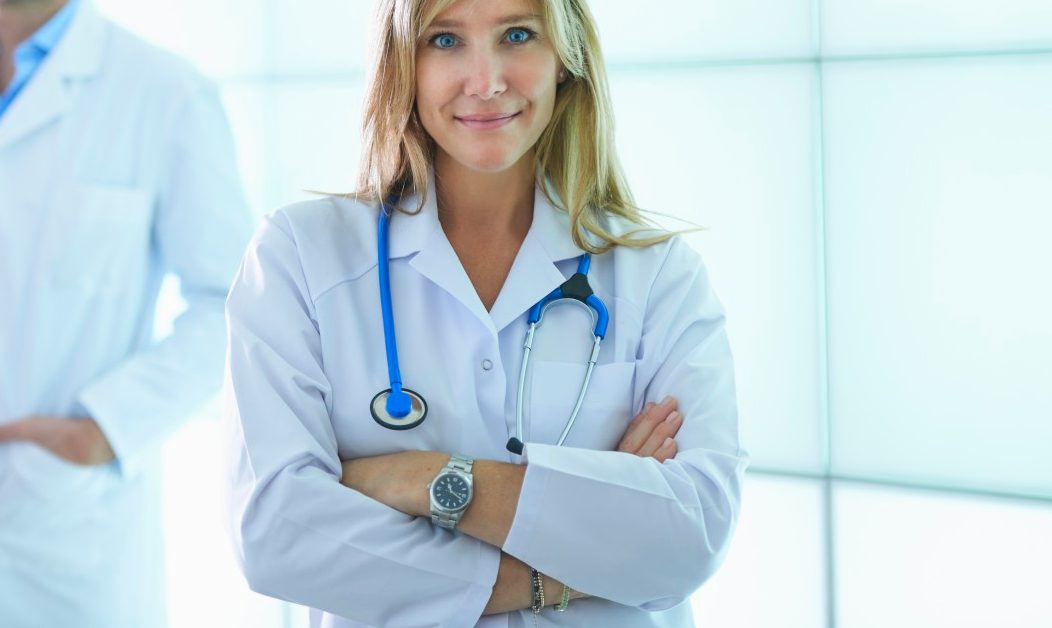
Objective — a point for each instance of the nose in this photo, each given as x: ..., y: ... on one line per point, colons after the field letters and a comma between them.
x: 485, y: 75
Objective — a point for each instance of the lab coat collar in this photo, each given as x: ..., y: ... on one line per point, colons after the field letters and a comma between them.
x: 46, y: 97
x: 533, y: 275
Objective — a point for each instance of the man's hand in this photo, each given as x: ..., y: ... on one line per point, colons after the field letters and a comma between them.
x: 78, y: 440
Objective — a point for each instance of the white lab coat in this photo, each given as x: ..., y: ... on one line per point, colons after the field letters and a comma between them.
x: 116, y: 166
x: 306, y: 356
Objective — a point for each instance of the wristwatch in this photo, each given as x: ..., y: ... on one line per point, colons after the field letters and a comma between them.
x: 451, y: 491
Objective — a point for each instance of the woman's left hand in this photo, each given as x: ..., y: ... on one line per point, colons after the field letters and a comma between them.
x: 398, y: 480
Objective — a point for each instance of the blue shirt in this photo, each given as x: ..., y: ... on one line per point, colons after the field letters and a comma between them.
x: 31, y: 53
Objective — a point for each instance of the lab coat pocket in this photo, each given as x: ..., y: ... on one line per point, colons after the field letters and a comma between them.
x: 101, y: 238
x: 605, y: 412
x: 50, y: 510
x: 45, y: 482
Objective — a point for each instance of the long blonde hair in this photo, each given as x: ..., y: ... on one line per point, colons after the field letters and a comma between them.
x: 575, y: 152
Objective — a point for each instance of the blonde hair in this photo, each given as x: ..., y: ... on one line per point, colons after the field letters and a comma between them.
x: 575, y: 152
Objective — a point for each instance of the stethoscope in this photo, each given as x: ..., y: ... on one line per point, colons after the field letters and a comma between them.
x: 399, y: 408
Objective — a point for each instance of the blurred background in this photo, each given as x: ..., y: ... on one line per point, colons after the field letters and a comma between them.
x: 876, y: 177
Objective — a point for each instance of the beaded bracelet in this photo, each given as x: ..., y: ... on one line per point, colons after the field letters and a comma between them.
x: 537, y: 586
x: 563, y: 603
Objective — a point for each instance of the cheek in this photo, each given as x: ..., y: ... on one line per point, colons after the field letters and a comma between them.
x: 428, y: 102
x: 536, y: 81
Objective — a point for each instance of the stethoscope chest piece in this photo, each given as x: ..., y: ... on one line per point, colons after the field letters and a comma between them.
x: 398, y: 412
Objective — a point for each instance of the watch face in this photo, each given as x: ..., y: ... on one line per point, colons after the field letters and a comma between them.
x: 451, y: 491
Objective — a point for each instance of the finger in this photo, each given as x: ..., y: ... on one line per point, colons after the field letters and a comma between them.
x: 643, y: 425
x: 666, y: 429
x: 639, y: 417
x: 638, y: 434
x: 667, y: 450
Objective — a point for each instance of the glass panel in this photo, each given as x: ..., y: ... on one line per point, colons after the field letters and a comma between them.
x: 220, y: 38
x: 245, y: 105
x: 916, y: 559
x: 313, y: 140
x: 730, y: 149
x: 868, y: 26
x: 195, y: 526
x: 322, y: 36
x: 774, y: 575
x: 698, y: 29
x: 940, y: 315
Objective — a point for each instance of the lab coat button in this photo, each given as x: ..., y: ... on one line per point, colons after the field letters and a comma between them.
x: 486, y: 365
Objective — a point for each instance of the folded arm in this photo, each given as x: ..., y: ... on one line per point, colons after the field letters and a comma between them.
x: 300, y: 535
x: 580, y: 515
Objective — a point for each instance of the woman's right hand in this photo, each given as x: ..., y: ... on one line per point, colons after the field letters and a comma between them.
x: 651, y: 432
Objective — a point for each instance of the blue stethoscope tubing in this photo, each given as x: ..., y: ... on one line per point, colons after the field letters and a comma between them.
x: 395, y: 408
x: 399, y: 408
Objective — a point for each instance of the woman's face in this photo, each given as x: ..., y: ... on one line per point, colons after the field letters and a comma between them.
x: 485, y: 81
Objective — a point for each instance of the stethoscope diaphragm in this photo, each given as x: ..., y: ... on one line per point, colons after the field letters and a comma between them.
x: 415, y: 414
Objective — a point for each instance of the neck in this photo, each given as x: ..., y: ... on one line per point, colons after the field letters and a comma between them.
x: 498, y: 205
x: 19, y: 19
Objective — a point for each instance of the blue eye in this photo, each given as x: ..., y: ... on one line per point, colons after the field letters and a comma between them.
x: 520, y: 35
x: 444, y: 40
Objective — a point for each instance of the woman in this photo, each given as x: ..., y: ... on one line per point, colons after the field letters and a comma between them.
x: 489, y: 157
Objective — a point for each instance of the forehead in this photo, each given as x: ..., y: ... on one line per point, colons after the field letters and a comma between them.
x: 485, y: 12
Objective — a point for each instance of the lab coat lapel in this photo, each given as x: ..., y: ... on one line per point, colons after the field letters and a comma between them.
x: 439, y: 263
x: 534, y: 273
x: 436, y: 260
x: 46, y: 97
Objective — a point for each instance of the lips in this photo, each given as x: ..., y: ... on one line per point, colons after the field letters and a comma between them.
x: 486, y: 117
x: 486, y: 121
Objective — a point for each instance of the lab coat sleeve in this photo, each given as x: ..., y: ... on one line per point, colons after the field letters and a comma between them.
x: 201, y: 225
x: 647, y: 534
x: 299, y: 534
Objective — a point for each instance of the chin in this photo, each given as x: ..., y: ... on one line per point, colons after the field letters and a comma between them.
x: 489, y: 161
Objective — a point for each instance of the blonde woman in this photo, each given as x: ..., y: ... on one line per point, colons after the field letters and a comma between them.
x: 396, y: 458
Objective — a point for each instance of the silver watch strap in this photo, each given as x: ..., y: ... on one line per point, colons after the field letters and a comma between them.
x: 447, y: 519
x: 460, y: 463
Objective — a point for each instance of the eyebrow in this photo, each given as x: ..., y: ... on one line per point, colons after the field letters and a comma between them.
x: 522, y: 17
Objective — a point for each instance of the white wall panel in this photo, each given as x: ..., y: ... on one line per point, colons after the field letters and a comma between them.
x: 914, y: 559
x: 313, y: 139
x: 730, y: 149
x: 246, y: 106
x: 674, y: 30
x: 221, y: 38
x: 881, y: 26
x: 204, y: 586
x: 774, y: 574
x: 320, y: 36
x: 938, y: 179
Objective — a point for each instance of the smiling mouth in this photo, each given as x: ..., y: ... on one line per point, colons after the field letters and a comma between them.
x: 487, y: 122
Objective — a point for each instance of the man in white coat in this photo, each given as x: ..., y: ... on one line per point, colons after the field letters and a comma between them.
x: 116, y: 168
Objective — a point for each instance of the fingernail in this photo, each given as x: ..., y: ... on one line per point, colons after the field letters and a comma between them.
x: 671, y: 418
x: 668, y: 443
x: 666, y: 399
